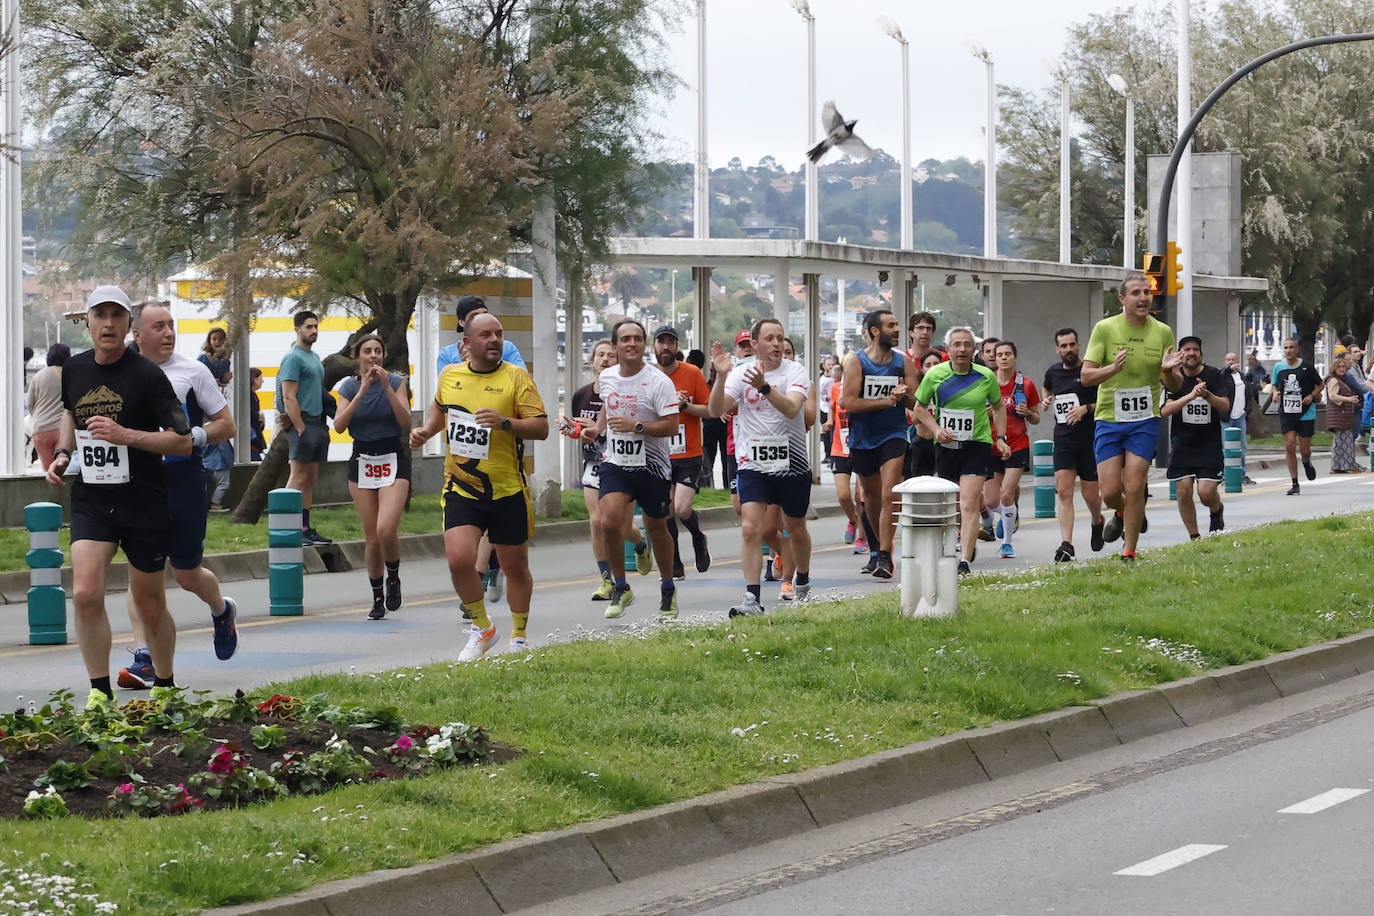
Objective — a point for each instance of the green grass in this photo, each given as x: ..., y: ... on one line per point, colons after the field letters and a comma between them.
x: 1320, y: 439
x: 339, y: 522
x: 616, y: 725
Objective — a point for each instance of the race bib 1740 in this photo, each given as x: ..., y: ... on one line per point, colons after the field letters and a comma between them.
x: 1133, y: 404
x: 101, y: 462
x: 879, y: 387
x: 466, y: 437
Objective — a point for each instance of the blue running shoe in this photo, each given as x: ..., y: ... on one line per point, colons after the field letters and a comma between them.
x: 226, y: 632
x: 139, y: 675
x: 1007, y: 553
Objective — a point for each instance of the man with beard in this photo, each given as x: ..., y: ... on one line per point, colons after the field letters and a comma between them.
x: 1073, y: 404
x: 879, y: 384
x: 1295, y: 385
x: 300, y: 408
x: 1198, y: 408
x: 684, y: 447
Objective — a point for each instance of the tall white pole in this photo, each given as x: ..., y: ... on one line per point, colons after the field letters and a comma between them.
x: 1183, y: 184
x: 701, y: 211
x: 813, y: 209
x: 1128, y: 231
x: 907, y: 216
x: 547, y: 481
x: 990, y: 167
x: 1065, y: 188
x: 11, y: 254
x: 840, y: 333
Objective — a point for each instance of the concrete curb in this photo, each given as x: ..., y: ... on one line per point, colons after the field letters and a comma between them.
x: 345, y: 556
x: 548, y: 866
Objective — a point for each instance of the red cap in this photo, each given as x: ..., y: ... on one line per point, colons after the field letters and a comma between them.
x: 742, y: 336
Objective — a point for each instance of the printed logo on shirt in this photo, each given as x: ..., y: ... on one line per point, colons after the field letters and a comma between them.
x: 98, y: 402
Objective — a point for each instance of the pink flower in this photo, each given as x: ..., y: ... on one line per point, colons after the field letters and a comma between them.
x: 126, y: 789
x: 223, y: 761
x: 404, y: 743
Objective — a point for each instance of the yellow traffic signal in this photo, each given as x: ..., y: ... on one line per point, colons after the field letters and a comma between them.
x: 1153, y: 265
x: 1172, y: 281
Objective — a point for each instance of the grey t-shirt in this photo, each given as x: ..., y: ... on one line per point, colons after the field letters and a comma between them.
x: 373, y: 417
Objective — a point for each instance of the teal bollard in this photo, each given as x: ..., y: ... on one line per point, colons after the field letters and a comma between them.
x: 1234, y: 474
x: 47, y: 599
x: 1042, y: 465
x: 285, y: 563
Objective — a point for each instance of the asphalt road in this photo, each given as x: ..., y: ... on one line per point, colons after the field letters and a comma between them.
x: 334, y: 634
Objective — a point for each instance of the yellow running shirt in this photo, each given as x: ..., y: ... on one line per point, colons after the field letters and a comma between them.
x: 483, y: 463
x: 1133, y: 393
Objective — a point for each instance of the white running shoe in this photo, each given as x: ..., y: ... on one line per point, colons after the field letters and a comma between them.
x: 518, y: 644
x: 496, y: 588
x: 479, y: 641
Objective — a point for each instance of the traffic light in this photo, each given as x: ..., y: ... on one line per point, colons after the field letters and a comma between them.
x: 1172, y: 282
x: 1153, y: 265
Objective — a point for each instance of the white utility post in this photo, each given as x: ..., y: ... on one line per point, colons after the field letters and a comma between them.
x: 990, y: 166
x: 841, y: 335
x: 813, y: 222
x: 11, y: 253
x: 890, y: 26
x: 782, y: 295
x: 1065, y: 186
x: 548, y: 465
x: 1118, y: 82
x: 1183, y: 184
x: 701, y: 211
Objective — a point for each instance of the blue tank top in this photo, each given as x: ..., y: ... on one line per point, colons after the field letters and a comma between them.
x: 872, y: 428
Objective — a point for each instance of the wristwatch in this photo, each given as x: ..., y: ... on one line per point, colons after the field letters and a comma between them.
x: 505, y: 423
x: 639, y: 427
x: 765, y: 389
x: 1001, y: 438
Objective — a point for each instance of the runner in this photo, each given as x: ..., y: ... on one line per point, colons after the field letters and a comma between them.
x: 487, y: 409
x: 684, y: 448
x: 1126, y: 357
x: 1072, y: 404
x: 878, y: 385
x: 122, y: 415
x: 639, y: 415
x: 207, y: 412
x: 785, y: 563
x: 921, y: 447
x: 835, y: 435
x: 1021, y: 400
x: 586, y: 403
x: 1198, y: 407
x: 921, y: 329
x: 1295, y: 385
x: 962, y: 392
x: 770, y: 397
x: 987, y: 352
x: 374, y: 407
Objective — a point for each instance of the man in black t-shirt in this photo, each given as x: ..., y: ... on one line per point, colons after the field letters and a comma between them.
x: 1072, y: 404
x: 1198, y: 407
x: 1295, y: 388
x: 121, y: 418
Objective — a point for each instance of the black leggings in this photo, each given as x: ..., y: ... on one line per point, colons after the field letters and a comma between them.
x: 713, y: 434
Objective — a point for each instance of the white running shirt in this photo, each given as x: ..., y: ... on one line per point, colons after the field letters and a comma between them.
x: 760, y: 423
x: 644, y: 397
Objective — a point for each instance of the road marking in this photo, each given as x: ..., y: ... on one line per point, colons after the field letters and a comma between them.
x: 1169, y: 860
x: 1323, y: 801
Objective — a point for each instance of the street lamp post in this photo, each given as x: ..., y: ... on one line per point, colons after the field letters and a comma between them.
x: 840, y: 335
x: 890, y: 27
x: 1183, y: 320
x: 990, y: 167
x: 1065, y: 188
x: 11, y: 250
x: 1118, y: 82
x: 813, y: 222
x: 701, y: 210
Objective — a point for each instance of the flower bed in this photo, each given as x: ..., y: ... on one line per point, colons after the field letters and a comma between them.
x: 181, y: 752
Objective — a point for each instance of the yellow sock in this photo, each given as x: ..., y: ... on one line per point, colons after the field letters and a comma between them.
x: 478, y: 610
x: 518, y: 624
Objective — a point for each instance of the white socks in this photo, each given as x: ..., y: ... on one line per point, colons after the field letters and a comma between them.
x: 1009, y: 513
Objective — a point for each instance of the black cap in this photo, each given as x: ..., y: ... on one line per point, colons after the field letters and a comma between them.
x: 666, y: 329
x: 467, y: 305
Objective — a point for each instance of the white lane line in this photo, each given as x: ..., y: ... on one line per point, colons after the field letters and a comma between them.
x: 1323, y: 801
x: 1162, y: 863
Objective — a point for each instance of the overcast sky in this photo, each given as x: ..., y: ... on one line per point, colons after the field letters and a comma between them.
x: 756, y: 76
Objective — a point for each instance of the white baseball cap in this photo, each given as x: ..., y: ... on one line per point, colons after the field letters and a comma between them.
x: 102, y: 294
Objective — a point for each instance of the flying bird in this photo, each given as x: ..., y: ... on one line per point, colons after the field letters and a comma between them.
x: 839, y: 133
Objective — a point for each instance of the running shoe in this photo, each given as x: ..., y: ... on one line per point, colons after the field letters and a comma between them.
x: 518, y: 644
x: 496, y: 586
x: 768, y: 575
x: 621, y: 599
x: 139, y: 675
x: 1112, y: 530
x: 226, y: 630
x: 871, y: 565
x: 1064, y: 553
x: 678, y: 571
x: 1218, y: 523
x: 312, y: 538
x: 479, y: 641
x: 604, y: 590
x: 644, y: 559
x: 1006, y: 552
x: 849, y: 533
x: 1144, y: 523
x: 998, y: 532
x: 97, y: 698
x: 703, y: 555
x: 1293, y: 490
x: 1194, y: 536
x: 749, y: 606
x: 1127, y: 557
x: 860, y: 546
x: 802, y: 592
x: 786, y: 593
x: 777, y: 567
x: 883, y: 569
x: 1248, y: 481
x: 667, y: 605
x: 1097, y: 541
x: 964, y: 568
x: 985, y: 530
x: 393, y: 593
x: 1309, y: 469
x: 378, y: 611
